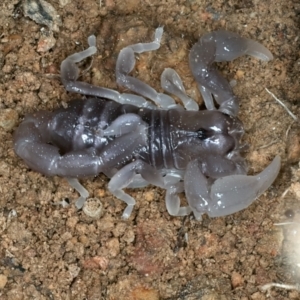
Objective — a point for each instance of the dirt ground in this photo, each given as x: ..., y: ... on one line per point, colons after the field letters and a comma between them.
x: 51, y: 252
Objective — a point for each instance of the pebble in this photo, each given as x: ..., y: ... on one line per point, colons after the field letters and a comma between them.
x: 3, y: 281
x: 8, y: 119
x: 43, y: 13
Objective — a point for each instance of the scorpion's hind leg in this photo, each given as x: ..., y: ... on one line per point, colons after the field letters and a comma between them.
x: 126, y: 175
x: 221, y: 46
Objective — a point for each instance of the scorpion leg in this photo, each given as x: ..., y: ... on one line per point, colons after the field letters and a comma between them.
x: 221, y: 46
x: 196, y: 189
x: 170, y: 178
x: 173, y: 201
x: 117, y: 151
x: 171, y: 82
x: 123, y: 124
x: 70, y: 73
x: 174, y: 186
x: 138, y: 182
x: 125, y: 65
x: 84, y: 194
x: 228, y: 194
x: 125, y: 176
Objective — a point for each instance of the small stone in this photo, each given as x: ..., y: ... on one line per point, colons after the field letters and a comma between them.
x: 93, y: 208
x: 295, y: 188
x: 141, y: 293
x: 3, y: 281
x: 43, y: 13
x: 72, y: 221
x: 293, y: 147
x: 114, y: 247
x: 4, y: 169
x: 96, y: 262
x: 129, y: 236
x: 239, y: 74
x: 8, y: 119
x: 46, y: 42
x: 236, y: 279
x: 63, y: 3
x: 149, y: 196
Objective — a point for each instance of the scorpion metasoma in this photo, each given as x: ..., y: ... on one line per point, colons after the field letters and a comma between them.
x: 135, y: 143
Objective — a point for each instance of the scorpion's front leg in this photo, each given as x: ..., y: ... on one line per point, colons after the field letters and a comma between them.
x: 228, y: 194
x: 216, y: 47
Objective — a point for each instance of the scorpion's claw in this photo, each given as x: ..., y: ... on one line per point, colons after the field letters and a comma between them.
x: 233, y: 193
x: 227, y: 194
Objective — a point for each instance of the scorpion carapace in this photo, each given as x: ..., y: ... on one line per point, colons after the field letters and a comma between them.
x: 135, y: 143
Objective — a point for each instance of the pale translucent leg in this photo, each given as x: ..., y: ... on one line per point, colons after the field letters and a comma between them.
x: 125, y: 64
x: 75, y: 184
x: 196, y: 188
x: 207, y: 98
x: 173, y: 201
x: 171, y: 82
x: 138, y: 182
x: 172, y: 177
x: 174, y: 185
x: 123, y: 124
x: 70, y: 72
x: 126, y: 175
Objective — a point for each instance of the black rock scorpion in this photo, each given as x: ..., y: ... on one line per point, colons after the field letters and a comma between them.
x: 135, y: 143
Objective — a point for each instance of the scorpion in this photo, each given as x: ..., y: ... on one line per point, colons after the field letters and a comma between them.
x: 136, y: 142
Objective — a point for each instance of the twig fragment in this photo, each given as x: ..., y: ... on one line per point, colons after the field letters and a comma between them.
x: 268, y: 286
x: 283, y: 105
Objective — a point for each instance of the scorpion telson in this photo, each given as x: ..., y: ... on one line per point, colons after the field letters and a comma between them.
x: 135, y: 143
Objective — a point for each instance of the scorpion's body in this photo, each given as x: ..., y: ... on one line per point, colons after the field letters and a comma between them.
x: 169, y: 134
x: 176, y: 149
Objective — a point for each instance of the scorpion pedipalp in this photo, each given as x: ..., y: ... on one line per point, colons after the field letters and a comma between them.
x: 227, y: 194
